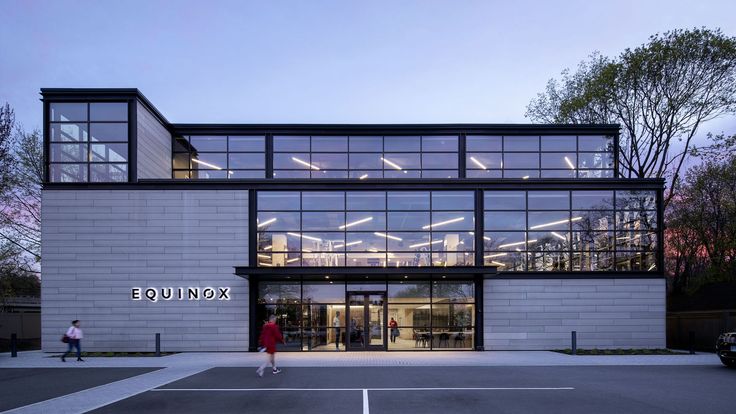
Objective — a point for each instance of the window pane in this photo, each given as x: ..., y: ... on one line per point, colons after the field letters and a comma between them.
x: 279, y: 242
x: 246, y: 174
x: 505, y: 200
x: 109, y: 152
x: 366, y: 144
x: 278, y: 200
x: 549, y: 240
x: 406, y: 220
x: 366, y: 161
x: 271, y: 221
x: 291, y: 174
x: 452, y: 220
x: 330, y: 161
x: 559, y: 160
x: 205, y: 143
x: 601, y: 200
x: 595, y: 173
x: 453, y: 292
x: 408, y: 292
x: 530, y: 160
x: 558, y: 173
x: 595, y: 143
x: 68, y: 152
x: 595, y: 160
x: 403, y: 161
x: 366, y: 200
x: 497, y: 240
x: 329, y: 144
x: 243, y: 161
x: 592, y: 220
x: 291, y: 143
x: 549, y: 200
x: 402, y: 174
x: 453, y: 200
x: 460, y: 241
x: 401, y: 143
x: 520, y: 143
x: 209, y: 161
x: 636, y: 200
x: 323, y: 200
x: 323, y: 292
x: 439, y: 160
x: 483, y: 143
x: 360, y: 222
x: 636, y: 220
x: 506, y: 261
x: 509, y: 220
x: 68, y: 173
x: 108, y: 111
x: 108, y: 132
x: 209, y: 174
x: 64, y: 112
x: 292, y: 161
x: 559, y: 143
x: 104, y: 173
x: 490, y: 160
x: 181, y: 175
x: 552, y: 220
x: 408, y: 200
x: 365, y: 241
x: 323, y: 220
x: 524, y: 174
x: 439, y: 173
x: 483, y: 174
x: 181, y: 144
x: 440, y: 144
x: 409, y: 241
x: 68, y: 132
x: 181, y: 161
x: 247, y: 144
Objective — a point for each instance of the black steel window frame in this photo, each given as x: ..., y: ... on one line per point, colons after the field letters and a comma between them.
x: 131, y: 135
x: 476, y: 324
x: 190, y: 152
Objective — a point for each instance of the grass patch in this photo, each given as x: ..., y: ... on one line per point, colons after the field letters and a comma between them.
x: 113, y: 354
x: 620, y: 351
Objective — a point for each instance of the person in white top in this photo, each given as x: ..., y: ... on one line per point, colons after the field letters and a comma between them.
x: 74, y: 336
x: 336, y: 325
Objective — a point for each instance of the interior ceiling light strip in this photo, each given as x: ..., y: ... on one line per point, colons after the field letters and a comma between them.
x: 354, y: 223
x: 304, y: 236
x: 539, y: 226
x: 388, y: 236
x: 206, y: 164
x: 489, y: 256
x: 516, y: 243
x: 559, y: 236
x: 391, y: 163
x: 302, y: 162
x: 442, y: 223
x: 478, y: 163
x: 267, y: 222
x: 569, y: 163
x: 424, y: 244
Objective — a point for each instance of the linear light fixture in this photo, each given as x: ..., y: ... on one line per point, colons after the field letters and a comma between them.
x: 304, y: 236
x: 268, y: 248
x: 265, y: 264
x: 206, y: 164
x: 442, y: 223
x: 651, y: 267
x: 478, y: 163
x: 424, y: 244
x: 363, y: 177
x: 498, y: 264
x: 302, y: 162
x: 516, y: 243
x: 391, y: 163
x: 569, y: 163
x: 354, y: 223
x: 264, y: 256
x: 292, y: 260
x: 388, y: 236
x: 559, y: 236
x: 267, y: 222
x: 539, y: 226
x: 489, y: 256
x: 337, y: 246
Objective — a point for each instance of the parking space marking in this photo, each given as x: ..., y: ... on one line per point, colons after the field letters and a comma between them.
x: 365, y: 390
x: 365, y: 401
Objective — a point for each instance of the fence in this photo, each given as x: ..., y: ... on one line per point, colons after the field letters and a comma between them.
x: 705, y: 326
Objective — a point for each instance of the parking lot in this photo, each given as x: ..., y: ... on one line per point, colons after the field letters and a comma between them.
x: 603, y: 389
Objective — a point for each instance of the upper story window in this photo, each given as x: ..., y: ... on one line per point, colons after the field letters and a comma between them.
x: 362, y: 157
x: 88, y: 142
x: 584, y: 156
x: 219, y: 156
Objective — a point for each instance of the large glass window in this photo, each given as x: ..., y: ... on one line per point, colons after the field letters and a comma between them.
x: 365, y: 228
x: 419, y: 314
x: 88, y: 142
x: 362, y: 157
x: 219, y: 157
x: 570, y: 230
x: 584, y: 156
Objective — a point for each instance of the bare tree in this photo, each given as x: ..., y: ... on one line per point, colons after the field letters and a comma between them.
x: 660, y: 92
x: 7, y: 123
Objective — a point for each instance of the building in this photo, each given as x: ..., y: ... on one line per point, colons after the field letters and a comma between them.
x: 470, y: 237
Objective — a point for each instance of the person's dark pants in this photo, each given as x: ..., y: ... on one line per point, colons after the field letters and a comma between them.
x: 337, y: 338
x: 73, y: 343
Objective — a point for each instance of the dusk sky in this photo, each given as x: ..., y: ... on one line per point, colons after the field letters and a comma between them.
x: 325, y: 61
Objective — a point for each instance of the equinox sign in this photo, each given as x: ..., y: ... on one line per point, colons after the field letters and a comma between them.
x: 180, y: 293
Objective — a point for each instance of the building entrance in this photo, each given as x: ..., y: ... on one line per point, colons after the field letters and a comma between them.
x: 367, y: 321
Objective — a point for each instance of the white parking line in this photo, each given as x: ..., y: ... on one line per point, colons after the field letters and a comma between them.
x: 365, y: 390
x: 365, y: 401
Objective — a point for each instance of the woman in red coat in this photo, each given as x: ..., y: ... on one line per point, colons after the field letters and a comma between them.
x: 270, y: 336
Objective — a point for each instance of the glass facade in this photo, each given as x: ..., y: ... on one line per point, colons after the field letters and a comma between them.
x: 402, y: 315
x: 365, y: 228
x: 549, y: 156
x: 574, y: 231
x: 88, y: 142
x: 219, y: 156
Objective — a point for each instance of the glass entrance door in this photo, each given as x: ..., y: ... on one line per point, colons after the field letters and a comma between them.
x: 366, y: 313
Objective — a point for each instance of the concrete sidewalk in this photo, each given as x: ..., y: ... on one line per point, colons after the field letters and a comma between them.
x: 38, y: 359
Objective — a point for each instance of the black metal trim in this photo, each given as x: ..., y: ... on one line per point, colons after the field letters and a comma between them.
x: 252, y: 227
x: 362, y: 271
x: 252, y: 304
x: 132, y: 140
x: 479, y: 345
x: 479, y: 228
